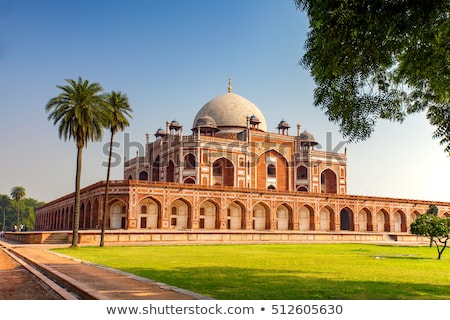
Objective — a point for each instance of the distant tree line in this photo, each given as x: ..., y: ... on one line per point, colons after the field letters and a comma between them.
x: 17, y: 213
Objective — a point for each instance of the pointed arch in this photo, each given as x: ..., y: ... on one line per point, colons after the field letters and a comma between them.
x: 328, y: 181
x: 365, y: 220
x: 383, y: 224
x: 95, y: 214
x: 117, y: 210
x: 326, y: 217
x: 413, y: 216
x: 66, y: 219
x: 88, y: 220
x: 180, y: 214
x: 189, y: 180
x: 261, y: 216
x: 284, y: 217
x: 223, y: 172
x: 143, y: 175
x: 347, y: 219
x: 235, y: 216
x: 149, y: 213
x: 399, y: 221
x: 170, y: 172
x: 306, y: 218
x: 81, y: 222
x: 209, y: 215
x: 70, y: 212
x: 189, y: 161
x: 302, y: 173
x: 272, y: 169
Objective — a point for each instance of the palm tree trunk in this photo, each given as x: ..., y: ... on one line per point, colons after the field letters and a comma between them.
x: 105, y: 200
x: 18, y: 214
x: 76, y: 214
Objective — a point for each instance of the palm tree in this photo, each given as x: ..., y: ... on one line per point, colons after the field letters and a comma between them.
x: 81, y: 114
x: 119, y: 111
x: 18, y: 193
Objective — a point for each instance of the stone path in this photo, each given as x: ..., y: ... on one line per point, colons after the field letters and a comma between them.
x: 109, y: 284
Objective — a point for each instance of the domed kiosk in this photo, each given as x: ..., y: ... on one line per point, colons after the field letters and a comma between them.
x: 230, y: 112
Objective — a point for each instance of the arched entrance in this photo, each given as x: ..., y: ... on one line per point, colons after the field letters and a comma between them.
x: 81, y: 219
x: 235, y: 212
x: 306, y: 216
x: 260, y: 217
x: 383, y: 221
x: 326, y: 215
x: 118, y: 214
x: 346, y: 219
x: 365, y: 220
x: 170, y: 173
x: 223, y: 172
x: 399, y: 221
x: 272, y: 170
x: 328, y: 181
x: 284, y: 218
x: 143, y: 176
x: 414, y: 215
x: 95, y: 217
x: 180, y: 215
x: 208, y: 215
x: 149, y: 215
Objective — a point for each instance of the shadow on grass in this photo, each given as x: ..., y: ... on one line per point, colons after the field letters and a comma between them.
x: 264, y: 284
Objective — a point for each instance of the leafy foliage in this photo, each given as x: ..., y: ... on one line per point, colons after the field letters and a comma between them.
x: 433, y: 227
x: 79, y: 111
x: 377, y: 59
x: 27, y: 209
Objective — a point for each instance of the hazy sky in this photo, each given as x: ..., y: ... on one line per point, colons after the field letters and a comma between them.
x: 170, y: 58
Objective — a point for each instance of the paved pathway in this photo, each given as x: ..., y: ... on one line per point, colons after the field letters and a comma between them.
x: 109, y: 284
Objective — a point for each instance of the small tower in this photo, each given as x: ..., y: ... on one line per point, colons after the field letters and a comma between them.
x: 283, y: 127
x: 160, y: 133
x: 254, y: 122
x: 175, y: 127
x: 307, y: 140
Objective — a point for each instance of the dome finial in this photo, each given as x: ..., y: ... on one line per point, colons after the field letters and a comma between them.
x: 230, y: 88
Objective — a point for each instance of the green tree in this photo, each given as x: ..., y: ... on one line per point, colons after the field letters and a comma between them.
x: 29, y: 208
x: 434, y: 211
x: 119, y: 112
x: 79, y: 110
x: 18, y: 193
x: 435, y: 228
x: 377, y: 59
x: 5, y: 202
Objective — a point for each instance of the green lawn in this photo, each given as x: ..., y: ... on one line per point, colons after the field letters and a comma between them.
x: 303, y: 271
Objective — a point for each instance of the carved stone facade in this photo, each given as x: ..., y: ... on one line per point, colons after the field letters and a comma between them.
x: 171, y: 206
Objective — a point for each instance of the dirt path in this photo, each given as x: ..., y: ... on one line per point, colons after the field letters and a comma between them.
x: 16, y: 283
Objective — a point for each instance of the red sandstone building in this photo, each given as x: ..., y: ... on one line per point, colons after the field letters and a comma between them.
x: 230, y: 174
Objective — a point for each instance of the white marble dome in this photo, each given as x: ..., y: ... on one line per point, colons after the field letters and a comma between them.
x: 230, y: 112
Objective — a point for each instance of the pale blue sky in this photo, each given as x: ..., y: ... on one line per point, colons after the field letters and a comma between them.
x: 170, y: 58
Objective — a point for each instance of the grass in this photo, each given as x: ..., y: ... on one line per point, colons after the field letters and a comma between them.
x: 288, y: 272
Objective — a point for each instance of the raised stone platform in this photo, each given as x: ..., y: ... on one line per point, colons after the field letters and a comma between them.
x: 193, y: 237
